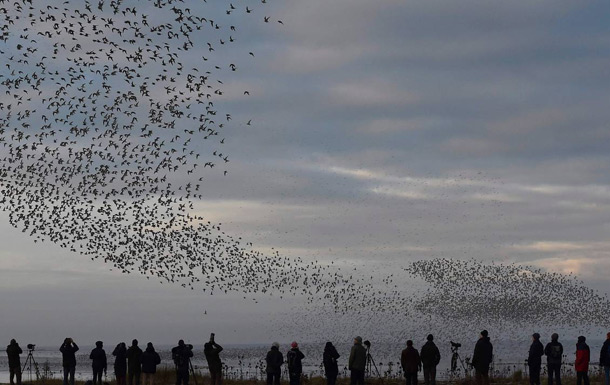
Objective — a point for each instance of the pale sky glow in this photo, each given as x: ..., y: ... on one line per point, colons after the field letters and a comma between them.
x: 382, y: 132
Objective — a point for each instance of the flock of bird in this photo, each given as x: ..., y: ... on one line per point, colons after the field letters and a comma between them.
x: 108, y: 122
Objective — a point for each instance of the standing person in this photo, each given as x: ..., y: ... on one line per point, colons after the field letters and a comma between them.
x: 534, y: 359
x: 357, y: 362
x: 295, y: 364
x: 120, y: 363
x: 604, y: 358
x: 149, y: 360
x: 98, y: 362
x: 212, y: 354
x: 430, y: 357
x: 482, y: 358
x: 13, y: 350
x: 329, y: 359
x: 181, y: 355
x: 554, y: 352
x: 411, y: 363
x: 134, y: 369
x: 274, y: 360
x: 68, y: 357
x: 583, y: 355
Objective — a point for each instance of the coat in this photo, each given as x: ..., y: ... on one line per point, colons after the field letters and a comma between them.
x: 604, y: 354
x: 13, y: 351
x: 98, y: 359
x: 68, y: 356
x: 294, y: 358
x: 181, y: 356
x: 120, y: 361
x: 583, y: 355
x: 534, y: 357
x: 483, y: 355
x: 553, y: 352
x: 274, y: 360
x: 357, y: 358
x: 429, y: 354
x: 149, y: 360
x: 329, y: 359
x: 134, y: 353
x: 212, y: 355
x: 410, y: 360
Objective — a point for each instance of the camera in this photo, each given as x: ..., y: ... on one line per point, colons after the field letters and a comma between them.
x: 455, y: 344
x: 31, y: 346
x: 367, y: 343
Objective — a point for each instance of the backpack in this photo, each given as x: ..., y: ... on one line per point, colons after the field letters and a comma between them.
x: 291, y: 357
x: 556, y: 351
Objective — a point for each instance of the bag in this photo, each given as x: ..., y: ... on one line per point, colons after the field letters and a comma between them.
x: 291, y: 358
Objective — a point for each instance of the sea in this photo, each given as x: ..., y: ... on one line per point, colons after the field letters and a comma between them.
x: 247, y: 361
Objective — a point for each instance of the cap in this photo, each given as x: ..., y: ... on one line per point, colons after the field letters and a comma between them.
x: 294, y: 344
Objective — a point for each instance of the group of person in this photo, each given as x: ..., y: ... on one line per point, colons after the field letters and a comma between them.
x: 131, y: 364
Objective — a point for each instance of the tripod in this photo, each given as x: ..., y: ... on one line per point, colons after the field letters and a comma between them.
x: 455, y: 358
x: 192, y: 371
x: 29, y: 361
x: 370, y: 362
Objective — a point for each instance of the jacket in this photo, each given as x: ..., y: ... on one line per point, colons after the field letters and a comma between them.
x: 181, y: 356
x: 534, y: 357
x: 274, y: 360
x: 134, y: 353
x: 212, y: 355
x: 149, y: 360
x: 553, y: 352
x: 583, y: 356
x: 483, y: 355
x: 604, y: 354
x: 120, y: 361
x: 13, y: 351
x: 68, y: 356
x: 357, y: 358
x: 98, y: 359
x: 429, y: 354
x: 329, y: 359
x: 294, y: 358
x: 410, y: 361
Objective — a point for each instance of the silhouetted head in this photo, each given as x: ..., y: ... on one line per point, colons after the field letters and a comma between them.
x: 208, y: 346
x: 484, y: 333
x: 68, y: 341
x: 358, y: 340
x: 409, y: 343
x: 430, y: 337
x: 294, y: 345
x: 581, y: 339
x: 275, y: 345
x: 134, y: 342
x: 14, y: 342
x: 554, y: 337
x: 149, y: 346
x: 329, y: 345
x: 608, y: 336
x: 536, y: 336
x: 181, y: 343
x: 99, y: 344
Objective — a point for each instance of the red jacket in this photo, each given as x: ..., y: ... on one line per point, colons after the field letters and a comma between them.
x: 582, y: 358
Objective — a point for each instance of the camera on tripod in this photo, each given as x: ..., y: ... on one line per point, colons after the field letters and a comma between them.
x: 455, y: 345
x: 367, y: 343
x: 31, y: 347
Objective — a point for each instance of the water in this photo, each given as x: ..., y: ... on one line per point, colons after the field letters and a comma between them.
x: 247, y: 361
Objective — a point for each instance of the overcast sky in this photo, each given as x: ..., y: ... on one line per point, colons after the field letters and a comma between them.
x: 382, y: 132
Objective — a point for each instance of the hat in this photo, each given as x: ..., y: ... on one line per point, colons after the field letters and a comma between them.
x: 276, y: 344
x: 409, y: 343
x: 536, y: 336
x: 484, y: 333
x: 430, y: 337
x: 358, y: 339
x: 294, y: 344
x: 149, y: 345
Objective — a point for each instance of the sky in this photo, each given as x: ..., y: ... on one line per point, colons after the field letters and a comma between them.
x: 382, y: 132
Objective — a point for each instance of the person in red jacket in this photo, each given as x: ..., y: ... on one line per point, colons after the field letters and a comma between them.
x: 581, y: 364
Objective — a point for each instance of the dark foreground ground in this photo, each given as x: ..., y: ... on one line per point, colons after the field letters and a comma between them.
x: 167, y: 377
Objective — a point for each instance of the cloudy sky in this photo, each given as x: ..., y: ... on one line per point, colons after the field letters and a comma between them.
x: 382, y: 132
